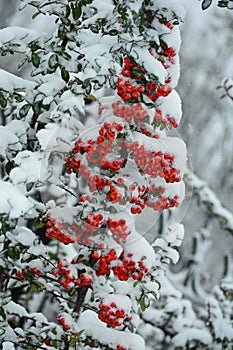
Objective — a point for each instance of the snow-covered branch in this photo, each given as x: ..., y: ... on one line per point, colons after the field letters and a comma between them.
x: 208, y: 198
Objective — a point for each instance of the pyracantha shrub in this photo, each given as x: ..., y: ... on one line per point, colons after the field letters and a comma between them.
x: 85, y: 155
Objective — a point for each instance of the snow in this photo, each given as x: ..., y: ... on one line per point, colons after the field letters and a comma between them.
x: 71, y: 102
x: 165, y: 251
x: 122, y: 287
x: 189, y: 334
x: 8, y: 346
x: 139, y: 248
x: 93, y: 327
x: 222, y: 325
x: 13, y: 136
x: 52, y: 85
x: 28, y: 169
x: 122, y: 301
x: 209, y: 199
x: 16, y: 309
x: 152, y: 66
x: 171, y: 106
x: 13, y: 202
x: 19, y: 35
x: 169, y: 6
x: 10, y: 82
x: 175, y: 234
x: 7, y: 138
x: 173, y: 39
x: 22, y: 235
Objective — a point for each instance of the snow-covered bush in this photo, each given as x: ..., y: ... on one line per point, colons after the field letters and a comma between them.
x: 86, y: 152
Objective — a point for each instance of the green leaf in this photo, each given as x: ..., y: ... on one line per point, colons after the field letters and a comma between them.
x: 136, y: 283
x: 35, y: 15
x: 162, y: 126
x: 113, y: 32
x: 113, y: 82
x: 155, y: 296
x: 95, y: 29
x: 67, y: 11
x: 53, y: 61
x: 86, y: 82
x: 76, y: 11
x: 41, y: 222
x: 36, y: 108
x: 66, y: 56
x: 2, y: 158
x: 8, y: 167
x: 35, y: 288
x: 91, y: 97
x: 24, y: 110
x: 12, y: 253
x: 29, y: 186
x: 222, y: 3
x: 3, y: 101
x: 35, y: 59
x: 61, y: 31
x: 144, y: 303
x: 65, y: 75
x: 205, y: 4
x: 2, y: 313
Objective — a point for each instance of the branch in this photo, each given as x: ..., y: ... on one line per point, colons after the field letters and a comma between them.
x: 82, y: 291
x: 209, y: 200
x: 227, y: 87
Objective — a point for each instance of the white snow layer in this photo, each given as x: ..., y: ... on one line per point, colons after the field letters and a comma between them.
x: 13, y: 202
x: 8, y: 346
x: 189, y: 334
x: 96, y: 329
x: 10, y: 82
x: 28, y: 169
x: 12, y: 136
x: 152, y: 66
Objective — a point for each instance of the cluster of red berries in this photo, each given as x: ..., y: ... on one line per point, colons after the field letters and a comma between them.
x: 67, y: 280
x: 130, y: 268
x: 143, y: 130
x: 136, y: 112
x: 95, y: 220
x: 168, y: 51
x: 134, y: 82
x: 154, y: 163
x: 58, y: 231
x: 118, y: 229
x: 113, y: 195
x: 169, y: 25
x: 152, y: 197
x: 67, y: 233
x: 63, y: 271
x: 135, y: 115
x: 21, y: 275
x: 125, y: 269
x: 166, y: 57
x: 97, y: 183
x: 96, y: 151
x: 159, y: 119
x: 112, y: 315
x: 85, y: 229
x: 104, y: 267
x: 63, y: 323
